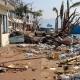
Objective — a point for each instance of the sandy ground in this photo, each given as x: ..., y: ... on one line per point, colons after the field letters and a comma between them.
x: 38, y: 68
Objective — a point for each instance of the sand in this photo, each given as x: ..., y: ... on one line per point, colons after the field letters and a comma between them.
x: 38, y: 69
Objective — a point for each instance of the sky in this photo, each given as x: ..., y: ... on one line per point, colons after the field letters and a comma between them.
x: 46, y: 6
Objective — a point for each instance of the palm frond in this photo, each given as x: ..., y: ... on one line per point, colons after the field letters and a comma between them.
x: 72, y: 14
x: 75, y: 5
x: 55, y: 9
x: 68, y: 9
x: 61, y: 10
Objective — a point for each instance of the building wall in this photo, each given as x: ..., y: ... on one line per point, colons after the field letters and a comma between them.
x: 5, y: 39
x: 4, y: 35
x: 6, y: 5
x: 30, y: 18
x: 0, y: 28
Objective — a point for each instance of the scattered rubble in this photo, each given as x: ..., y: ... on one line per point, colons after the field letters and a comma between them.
x: 22, y: 53
x: 53, y: 69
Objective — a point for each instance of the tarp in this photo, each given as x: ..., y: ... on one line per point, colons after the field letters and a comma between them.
x: 75, y: 29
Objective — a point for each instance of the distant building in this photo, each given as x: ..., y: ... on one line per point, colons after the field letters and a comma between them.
x: 15, y: 24
x: 28, y: 19
x: 20, y: 24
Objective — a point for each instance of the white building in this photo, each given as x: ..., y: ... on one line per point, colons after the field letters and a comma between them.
x: 5, y: 7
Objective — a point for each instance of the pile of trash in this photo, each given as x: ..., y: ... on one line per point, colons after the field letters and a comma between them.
x: 70, y: 76
x: 45, y: 46
x: 36, y: 49
x: 13, y: 67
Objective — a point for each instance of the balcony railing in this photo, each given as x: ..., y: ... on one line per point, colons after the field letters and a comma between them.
x: 6, y: 4
x: 3, y: 2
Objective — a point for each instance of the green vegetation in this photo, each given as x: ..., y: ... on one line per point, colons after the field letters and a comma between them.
x: 21, y: 10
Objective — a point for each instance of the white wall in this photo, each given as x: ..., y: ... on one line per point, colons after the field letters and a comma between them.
x: 5, y: 39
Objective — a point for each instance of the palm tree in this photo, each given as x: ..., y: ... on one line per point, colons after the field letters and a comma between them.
x: 67, y: 19
x: 56, y: 21
x: 37, y: 15
x: 25, y: 9
x: 19, y: 11
x: 22, y: 10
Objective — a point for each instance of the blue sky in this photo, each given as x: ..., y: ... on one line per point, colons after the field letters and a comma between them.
x: 47, y: 6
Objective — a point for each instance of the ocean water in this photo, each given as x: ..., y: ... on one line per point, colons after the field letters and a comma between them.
x: 45, y: 22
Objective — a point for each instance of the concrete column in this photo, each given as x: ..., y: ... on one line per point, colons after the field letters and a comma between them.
x: 0, y: 29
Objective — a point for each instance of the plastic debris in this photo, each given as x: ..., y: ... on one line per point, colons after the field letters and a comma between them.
x: 53, y: 69
x: 11, y: 66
